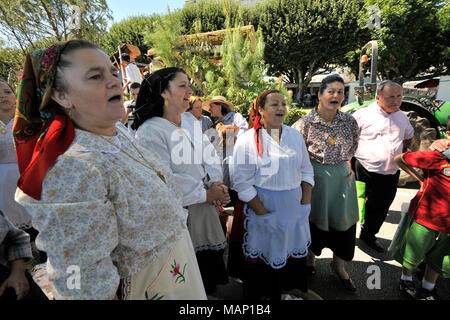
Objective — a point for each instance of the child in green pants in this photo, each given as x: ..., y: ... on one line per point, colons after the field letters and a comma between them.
x: 426, y: 234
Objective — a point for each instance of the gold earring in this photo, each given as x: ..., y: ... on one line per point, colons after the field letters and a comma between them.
x: 166, y: 102
x: 70, y: 113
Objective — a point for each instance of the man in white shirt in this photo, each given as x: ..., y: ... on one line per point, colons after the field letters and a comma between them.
x: 132, y: 72
x: 384, y: 132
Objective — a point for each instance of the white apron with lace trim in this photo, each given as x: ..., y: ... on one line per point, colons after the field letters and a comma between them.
x: 205, y: 227
x: 280, y: 234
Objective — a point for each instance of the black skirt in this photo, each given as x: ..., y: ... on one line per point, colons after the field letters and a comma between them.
x: 342, y: 243
x: 212, y: 268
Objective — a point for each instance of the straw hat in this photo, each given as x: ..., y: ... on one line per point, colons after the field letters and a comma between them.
x: 151, y: 52
x: 217, y: 99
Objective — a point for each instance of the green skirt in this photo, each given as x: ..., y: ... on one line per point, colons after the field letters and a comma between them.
x: 334, y: 201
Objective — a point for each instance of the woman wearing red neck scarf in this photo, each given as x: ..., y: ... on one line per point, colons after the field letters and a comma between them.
x: 273, y: 177
x: 107, y: 210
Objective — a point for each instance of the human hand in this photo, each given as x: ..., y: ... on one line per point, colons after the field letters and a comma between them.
x: 18, y: 282
x: 439, y: 145
x: 218, y: 194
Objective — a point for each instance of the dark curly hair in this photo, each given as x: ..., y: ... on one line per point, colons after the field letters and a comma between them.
x: 149, y: 102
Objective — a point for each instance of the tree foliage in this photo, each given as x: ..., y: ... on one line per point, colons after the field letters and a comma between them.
x: 210, y: 15
x: 303, y: 36
x: 28, y: 23
x: 411, y: 37
x: 11, y: 60
x: 236, y: 69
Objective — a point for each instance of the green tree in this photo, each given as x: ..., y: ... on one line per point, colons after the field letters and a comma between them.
x: 210, y: 15
x: 411, y: 37
x: 165, y: 37
x: 28, y: 23
x: 11, y: 60
x: 235, y: 70
x: 303, y: 36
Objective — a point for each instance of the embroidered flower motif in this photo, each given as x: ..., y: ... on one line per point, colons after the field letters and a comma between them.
x: 177, y: 273
x: 156, y: 296
x: 176, y: 270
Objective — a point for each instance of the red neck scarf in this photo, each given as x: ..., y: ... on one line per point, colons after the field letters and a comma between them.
x: 41, y: 131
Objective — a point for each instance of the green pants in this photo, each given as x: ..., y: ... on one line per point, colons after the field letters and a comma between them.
x: 419, y: 243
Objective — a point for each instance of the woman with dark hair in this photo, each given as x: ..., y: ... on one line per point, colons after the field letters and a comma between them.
x: 273, y: 177
x: 107, y: 210
x: 331, y: 137
x: 163, y: 99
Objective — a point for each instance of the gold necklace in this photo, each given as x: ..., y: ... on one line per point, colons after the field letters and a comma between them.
x: 145, y: 164
x: 3, y: 130
x: 331, y: 140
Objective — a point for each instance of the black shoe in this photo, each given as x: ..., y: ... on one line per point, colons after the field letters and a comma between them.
x: 407, y: 287
x: 347, y: 283
x: 424, y: 294
x: 373, y: 244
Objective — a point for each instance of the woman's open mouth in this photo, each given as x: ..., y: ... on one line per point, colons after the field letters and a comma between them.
x: 115, y: 99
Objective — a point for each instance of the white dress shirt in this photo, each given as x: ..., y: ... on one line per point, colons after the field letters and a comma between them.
x: 381, y: 137
x: 133, y: 74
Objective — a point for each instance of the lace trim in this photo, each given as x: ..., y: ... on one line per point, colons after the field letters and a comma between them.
x: 277, y: 263
x: 124, y: 288
x: 215, y: 247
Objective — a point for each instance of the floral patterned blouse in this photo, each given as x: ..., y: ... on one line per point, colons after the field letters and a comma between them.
x: 105, y: 212
x: 329, y: 143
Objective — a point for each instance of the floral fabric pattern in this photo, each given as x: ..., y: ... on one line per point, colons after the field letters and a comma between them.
x: 104, y: 212
x: 329, y: 143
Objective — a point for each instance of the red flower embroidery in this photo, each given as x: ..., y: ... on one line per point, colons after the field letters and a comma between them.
x: 176, y: 270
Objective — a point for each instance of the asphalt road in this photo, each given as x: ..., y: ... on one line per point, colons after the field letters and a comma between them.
x: 364, y: 269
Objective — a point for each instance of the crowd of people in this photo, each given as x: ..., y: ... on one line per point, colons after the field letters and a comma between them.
x: 130, y: 193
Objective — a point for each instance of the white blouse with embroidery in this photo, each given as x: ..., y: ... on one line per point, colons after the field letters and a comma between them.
x: 189, y: 154
x: 104, y: 211
x: 282, y: 166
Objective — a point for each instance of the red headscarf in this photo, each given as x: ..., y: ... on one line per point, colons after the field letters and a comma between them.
x: 255, y: 118
x: 41, y: 131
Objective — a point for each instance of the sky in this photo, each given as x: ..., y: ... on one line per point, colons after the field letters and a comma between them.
x: 122, y: 9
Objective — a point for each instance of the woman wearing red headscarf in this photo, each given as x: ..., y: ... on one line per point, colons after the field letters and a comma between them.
x: 273, y: 177
x: 107, y: 210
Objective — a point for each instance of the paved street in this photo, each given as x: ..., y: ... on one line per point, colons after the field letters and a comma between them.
x: 328, y: 286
